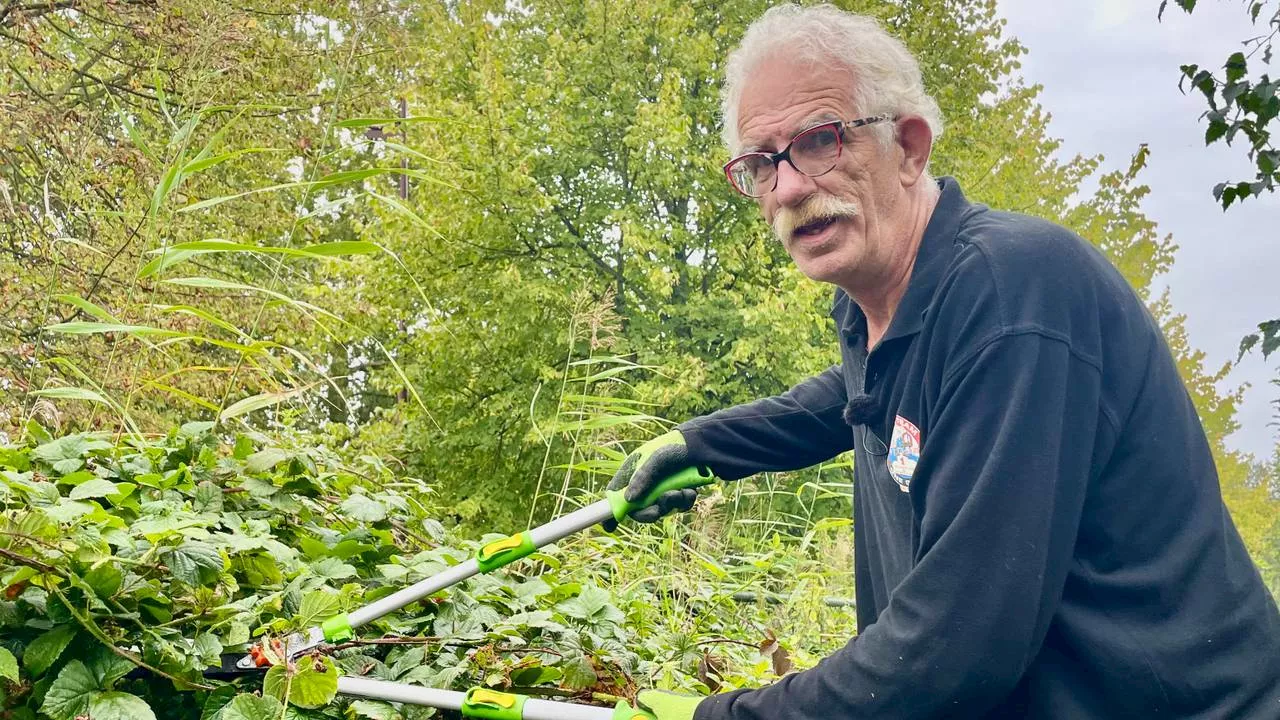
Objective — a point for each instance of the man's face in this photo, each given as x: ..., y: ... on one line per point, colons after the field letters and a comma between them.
x: 834, y: 226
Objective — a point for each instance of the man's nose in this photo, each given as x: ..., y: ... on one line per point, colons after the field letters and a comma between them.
x: 793, y: 186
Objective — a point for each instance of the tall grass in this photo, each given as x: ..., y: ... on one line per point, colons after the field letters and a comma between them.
x: 768, y: 556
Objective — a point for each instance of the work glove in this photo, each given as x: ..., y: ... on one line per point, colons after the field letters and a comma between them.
x: 643, y: 469
x: 668, y: 705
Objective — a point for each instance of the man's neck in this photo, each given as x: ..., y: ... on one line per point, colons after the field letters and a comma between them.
x: 880, y: 299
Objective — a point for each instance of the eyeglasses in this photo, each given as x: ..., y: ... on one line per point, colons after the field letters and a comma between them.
x: 812, y: 152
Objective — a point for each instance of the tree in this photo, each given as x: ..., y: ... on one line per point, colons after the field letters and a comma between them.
x: 583, y: 157
x: 120, y: 116
x: 1241, y: 102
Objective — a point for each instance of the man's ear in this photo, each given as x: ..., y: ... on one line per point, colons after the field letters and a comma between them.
x: 915, y: 140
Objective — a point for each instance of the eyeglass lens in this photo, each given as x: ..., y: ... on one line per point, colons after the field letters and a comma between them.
x: 813, y: 152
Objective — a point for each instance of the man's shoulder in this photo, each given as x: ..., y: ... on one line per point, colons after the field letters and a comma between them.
x: 1024, y: 246
x: 1015, y: 273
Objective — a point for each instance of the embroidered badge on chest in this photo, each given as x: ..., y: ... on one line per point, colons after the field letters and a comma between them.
x: 904, y: 452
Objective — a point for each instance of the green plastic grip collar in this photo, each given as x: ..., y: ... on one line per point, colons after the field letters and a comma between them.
x: 691, y: 477
x: 507, y: 550
x: 623, y: 711
x: 492, y: 705
x: 337, y: 629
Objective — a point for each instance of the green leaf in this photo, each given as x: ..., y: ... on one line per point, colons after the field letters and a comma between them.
x: 363, y: 508
x: 264, y: 460
x: 314, y: 683
x: 578, y: 672
x: 97, y: 328
x: 316, y: 607
x: 107, y: 667
x: 71, y: 692
x: 68, y: 511
x: 247, y: 405
x: 362, y: 122
x: 166, y: 258
x: 114, y: 705
x: 375, y: 710
x: 105, y: 580
x: 208, y: 649
x: 8, y: 665
x: 207, y: 498
x: 45, y: 650
x: 95, y: 488
x: 536, y: 675
x: 195, y: 563
x: 591, y: 604
x: 1216, y: 129
x: 1246, y: 344
x: 1270, y: 337
x: 1237, y: 67
x: 251, y: 707
x: 63, y: 454
x: 87, y: 307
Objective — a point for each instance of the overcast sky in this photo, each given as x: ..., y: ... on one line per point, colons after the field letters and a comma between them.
x: 1110, y: 77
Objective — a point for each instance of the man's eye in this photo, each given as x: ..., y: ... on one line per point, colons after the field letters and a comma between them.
x: 817, y: 139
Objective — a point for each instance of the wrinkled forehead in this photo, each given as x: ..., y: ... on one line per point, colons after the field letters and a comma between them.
x: 784, y: 95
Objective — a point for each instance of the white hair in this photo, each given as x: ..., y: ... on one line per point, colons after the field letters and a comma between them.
x: 886, y: 75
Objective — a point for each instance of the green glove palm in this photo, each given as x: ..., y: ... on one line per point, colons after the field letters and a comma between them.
x: 646, y: 467
x: 668, y: 705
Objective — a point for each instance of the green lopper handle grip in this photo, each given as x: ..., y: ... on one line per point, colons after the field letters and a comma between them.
x: 623, y: 711
x: 691, y: 477
x: 489, y: 704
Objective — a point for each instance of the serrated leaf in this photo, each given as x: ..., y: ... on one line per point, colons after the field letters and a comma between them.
x: 364, y: 508
x: 207, y: 498
x: 95, y: 488
x: 251, y: 707
x: 316, y: 607
x: 237, y: 633
x: 1270, y: 337
x: 68, y: 511
x: 107, y: 667
x: 195, y: 563
x: 71, y: 692
x: 1236, y: 67
x: 208, y: 649
x: 215, y: 701
x: 578, y: 672
x: 314, y: 684
x: 8, y: 665
x: 63, y: 454
x: 114, y: 705
x: 45, y: 650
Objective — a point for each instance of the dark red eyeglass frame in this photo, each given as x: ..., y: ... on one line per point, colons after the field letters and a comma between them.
x: 785, y: 154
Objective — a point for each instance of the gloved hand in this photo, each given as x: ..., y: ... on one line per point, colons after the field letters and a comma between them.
x: 643, y: 469
x: 668, y: 705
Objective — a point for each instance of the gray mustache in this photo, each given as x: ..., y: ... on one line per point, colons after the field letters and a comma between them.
x: 813, y: 209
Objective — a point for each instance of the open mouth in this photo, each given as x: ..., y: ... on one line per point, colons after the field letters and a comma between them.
x: 815, y: 227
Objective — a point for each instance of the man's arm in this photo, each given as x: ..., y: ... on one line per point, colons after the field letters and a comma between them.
x: 799, y: 428
x: 1001, y: 481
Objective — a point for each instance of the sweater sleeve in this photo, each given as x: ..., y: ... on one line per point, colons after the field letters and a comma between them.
x: 796, y: 429
x: 998, y: 488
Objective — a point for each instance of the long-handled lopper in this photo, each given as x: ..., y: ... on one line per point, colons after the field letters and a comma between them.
x: 477, y: 702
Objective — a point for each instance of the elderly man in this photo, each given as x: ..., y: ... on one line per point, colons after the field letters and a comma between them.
x: 1039, y: 529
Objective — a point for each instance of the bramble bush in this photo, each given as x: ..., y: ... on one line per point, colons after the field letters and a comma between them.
x: 130, y: 567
